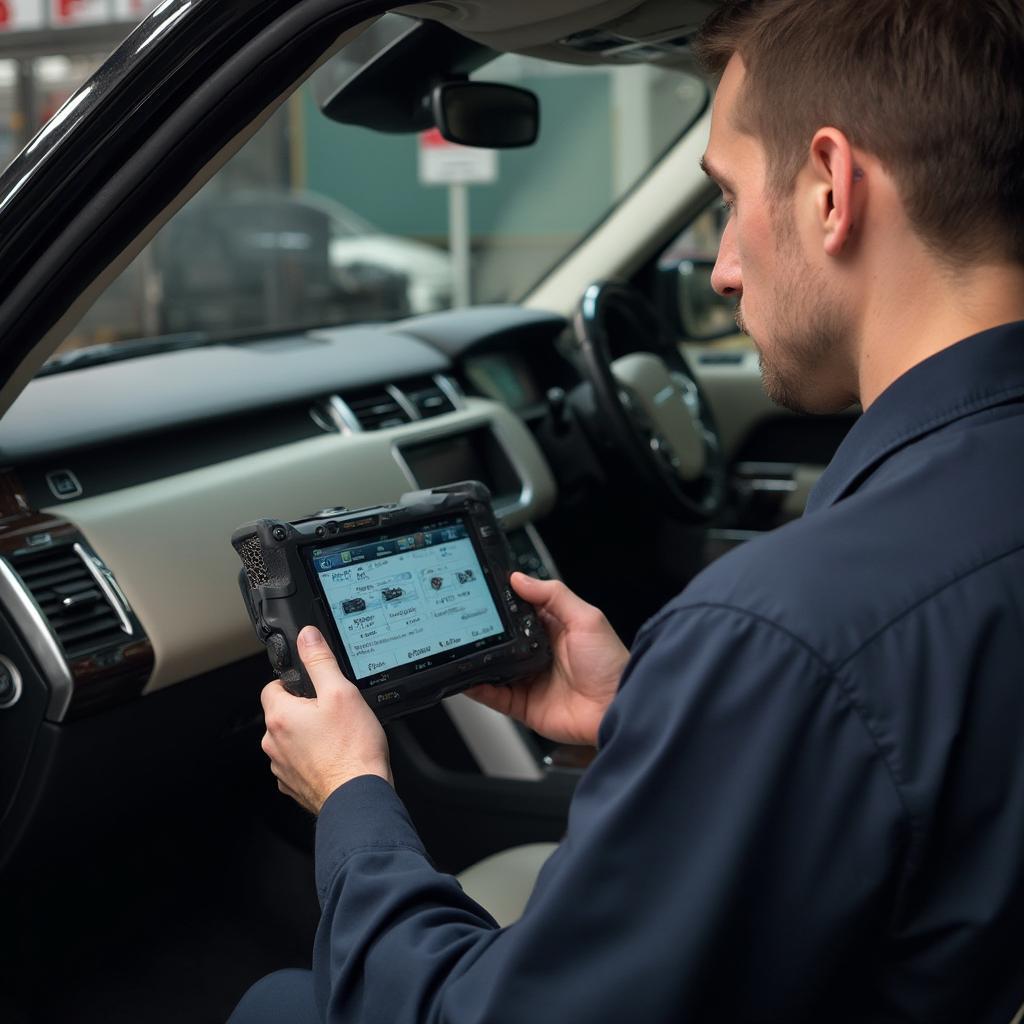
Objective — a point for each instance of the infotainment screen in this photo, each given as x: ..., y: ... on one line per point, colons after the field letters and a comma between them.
x: 406, y: 602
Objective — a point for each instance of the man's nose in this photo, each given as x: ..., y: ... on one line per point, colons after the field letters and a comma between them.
x: 725, y: 278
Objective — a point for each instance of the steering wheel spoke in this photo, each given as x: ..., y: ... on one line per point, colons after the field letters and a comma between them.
x: 649, y: 401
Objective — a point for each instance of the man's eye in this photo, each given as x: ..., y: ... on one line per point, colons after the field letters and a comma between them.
x: 728, y: 204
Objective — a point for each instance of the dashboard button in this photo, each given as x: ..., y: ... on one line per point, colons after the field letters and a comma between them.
x: 10, y: 684
x: 63, y: 484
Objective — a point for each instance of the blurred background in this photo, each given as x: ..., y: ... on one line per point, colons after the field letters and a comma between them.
x: 316, y: 223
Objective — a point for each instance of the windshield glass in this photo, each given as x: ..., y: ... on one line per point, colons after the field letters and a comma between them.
x: 316, y: 223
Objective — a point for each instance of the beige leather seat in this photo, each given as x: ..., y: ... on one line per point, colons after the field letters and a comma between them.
x: 502, y: 883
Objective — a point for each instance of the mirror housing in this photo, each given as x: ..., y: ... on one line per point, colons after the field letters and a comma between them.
x: 486, y: 115
x: 703, y: 314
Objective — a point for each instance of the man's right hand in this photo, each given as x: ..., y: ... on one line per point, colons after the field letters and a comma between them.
x: 567, y: 702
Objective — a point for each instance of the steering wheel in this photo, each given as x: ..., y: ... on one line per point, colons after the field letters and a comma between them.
x: 649, y: 405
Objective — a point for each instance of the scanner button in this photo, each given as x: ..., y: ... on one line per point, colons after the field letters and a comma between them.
x: 277, y: 648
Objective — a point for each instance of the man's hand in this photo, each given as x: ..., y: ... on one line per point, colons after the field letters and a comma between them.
x: 317, y: 745
x: 566, y: 703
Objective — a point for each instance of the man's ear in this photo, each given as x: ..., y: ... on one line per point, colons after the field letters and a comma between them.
x: 838, y: 188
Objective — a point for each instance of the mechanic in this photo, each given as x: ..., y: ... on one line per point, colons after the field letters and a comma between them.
x: 808, y: 801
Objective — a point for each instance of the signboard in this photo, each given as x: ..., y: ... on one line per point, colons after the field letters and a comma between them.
x: 22, y: 15
x: 34, y: 15
x: 68, y: 13
x: 444, y: 163
x: 134, y: 10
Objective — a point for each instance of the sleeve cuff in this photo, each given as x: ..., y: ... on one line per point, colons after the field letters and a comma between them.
x: 363, y: 814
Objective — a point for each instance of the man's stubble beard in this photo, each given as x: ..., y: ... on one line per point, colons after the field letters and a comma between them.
x: 808, y: 332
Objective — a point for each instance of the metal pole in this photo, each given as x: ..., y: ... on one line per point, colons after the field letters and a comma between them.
x: 458, y: 238
x: 26, y: 101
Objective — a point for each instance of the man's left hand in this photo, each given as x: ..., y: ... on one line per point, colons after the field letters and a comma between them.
x: 317, y: 745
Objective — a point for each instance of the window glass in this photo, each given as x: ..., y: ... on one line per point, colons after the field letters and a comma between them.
x: 317, y: 223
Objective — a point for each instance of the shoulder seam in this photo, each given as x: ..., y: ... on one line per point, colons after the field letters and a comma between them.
x: 830, y: 674
x: 746, y: 613
x: 931, y: 595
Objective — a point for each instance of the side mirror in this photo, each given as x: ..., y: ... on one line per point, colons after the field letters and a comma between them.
x: 704, y: 315
x: 485, y: 114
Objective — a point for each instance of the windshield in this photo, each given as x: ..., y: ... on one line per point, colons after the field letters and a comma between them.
x: 315, y: 223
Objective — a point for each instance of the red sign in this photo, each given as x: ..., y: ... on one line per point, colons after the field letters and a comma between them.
x: 447, y: 163
x: 79, y: 12
x: 433, y: 138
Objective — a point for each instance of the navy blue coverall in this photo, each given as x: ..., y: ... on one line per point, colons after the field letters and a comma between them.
x: 808, y: 802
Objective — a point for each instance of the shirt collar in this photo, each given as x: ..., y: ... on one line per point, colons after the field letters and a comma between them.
x: 984, y: 370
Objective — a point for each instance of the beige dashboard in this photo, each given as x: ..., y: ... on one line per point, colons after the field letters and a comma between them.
x: 167, y: 542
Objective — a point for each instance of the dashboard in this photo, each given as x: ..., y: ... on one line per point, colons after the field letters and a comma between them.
x: 120, y: 486
x: 125, y: 480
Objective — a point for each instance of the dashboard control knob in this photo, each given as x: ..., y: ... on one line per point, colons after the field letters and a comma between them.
x: 557, y: 409
x: 10, y: 684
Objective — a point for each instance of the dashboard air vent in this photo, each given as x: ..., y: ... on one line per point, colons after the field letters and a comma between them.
x: 428, y: 397
x: 378, y: 409
x: 72, y: 601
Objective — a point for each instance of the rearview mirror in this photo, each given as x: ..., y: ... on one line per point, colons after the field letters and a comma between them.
x: 485, y: 114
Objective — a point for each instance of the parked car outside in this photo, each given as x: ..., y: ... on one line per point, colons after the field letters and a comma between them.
x: 264, y: 259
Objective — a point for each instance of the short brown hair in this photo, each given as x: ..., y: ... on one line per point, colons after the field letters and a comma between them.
x: 932, y: 88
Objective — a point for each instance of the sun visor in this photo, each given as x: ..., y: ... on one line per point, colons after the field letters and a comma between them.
x: 522, y: 23
x: 581, y: 32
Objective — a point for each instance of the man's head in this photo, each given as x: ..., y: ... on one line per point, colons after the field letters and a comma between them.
x: 843, y: 129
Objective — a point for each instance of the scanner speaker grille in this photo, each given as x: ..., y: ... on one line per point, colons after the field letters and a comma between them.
x: 262, y: 568
x: 251, y: 553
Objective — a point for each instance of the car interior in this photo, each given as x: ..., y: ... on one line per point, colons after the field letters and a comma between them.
x: 149, y: 867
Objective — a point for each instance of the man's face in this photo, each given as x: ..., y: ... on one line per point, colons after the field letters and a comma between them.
x: 768, y: 261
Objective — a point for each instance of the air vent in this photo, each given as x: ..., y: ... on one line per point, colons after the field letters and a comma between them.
x: 72, y: 600
x: 379, y: 409
x: 428, y: 397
